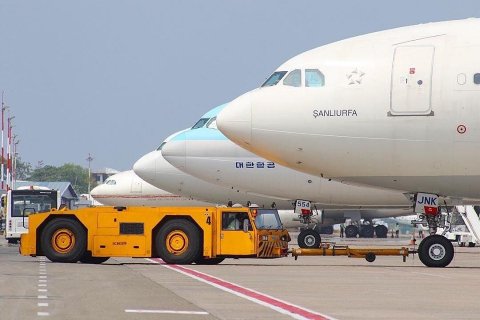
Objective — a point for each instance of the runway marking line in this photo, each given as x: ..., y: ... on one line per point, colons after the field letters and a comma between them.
x: 42, y: 279
x: 165, y: 311
x: 278, y: 305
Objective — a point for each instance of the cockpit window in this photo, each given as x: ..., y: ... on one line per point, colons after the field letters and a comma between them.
x: 212, y: 124
x: 294, y: 78
x: 274, y: 78
x: 110, y: 182
x: 200, y: 123
x: 161, y: 146
x: 314, y: 78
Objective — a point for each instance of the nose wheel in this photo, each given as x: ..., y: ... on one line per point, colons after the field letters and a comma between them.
x: 309, y: 239
x: 436, y: 251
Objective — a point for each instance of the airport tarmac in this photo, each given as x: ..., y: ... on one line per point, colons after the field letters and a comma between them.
x: 311, y: 287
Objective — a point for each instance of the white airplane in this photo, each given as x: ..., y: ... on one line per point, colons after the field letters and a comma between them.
x: 395, y: 109
x: 154, y: 169
x: 126, y: 189
x: 213, y: 158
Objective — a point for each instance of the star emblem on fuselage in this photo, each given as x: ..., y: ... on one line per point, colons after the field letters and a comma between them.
x: 355, y: 77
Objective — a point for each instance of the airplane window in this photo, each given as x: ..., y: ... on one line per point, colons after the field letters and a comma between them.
x: 212, y: 124
x: 476, y: 78
x: 314, y: 78
x: 200, y: 123
x: 294, y: 78
x: 274, y: 79
x: 161, y: 146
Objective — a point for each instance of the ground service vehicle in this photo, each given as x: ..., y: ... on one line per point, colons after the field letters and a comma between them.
x: 181, y: 235
x: 19, y: 204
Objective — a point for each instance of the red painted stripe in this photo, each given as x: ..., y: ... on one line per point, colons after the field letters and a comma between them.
x: 307, y: 314
x: 138, y: 197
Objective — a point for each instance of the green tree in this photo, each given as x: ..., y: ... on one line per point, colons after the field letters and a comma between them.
x: 75, y: 174
x: 22, y: 169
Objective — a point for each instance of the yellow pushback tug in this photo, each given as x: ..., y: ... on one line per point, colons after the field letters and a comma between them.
x: 180, y: 235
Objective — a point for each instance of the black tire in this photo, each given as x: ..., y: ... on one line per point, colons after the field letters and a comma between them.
x: 183, y: 239
x: 367, y: 231
x: 435, y: 251
x: 87, y: 258
x: 324, y: 229
x: 309, y: 239
x: 471, y: 244
x: 381, y: 231
x: 351, y: 231
x: 64, y: 240
x: 12, y: 241
x: 211, y: 261
x: 370, y: 257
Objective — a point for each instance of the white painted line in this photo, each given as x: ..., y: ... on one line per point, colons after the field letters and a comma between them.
x: 42, y: 290
x: 42, y: 280
x: 164, y: 311
x: 42, y: 297
x: 43, y: 314
x: 42, y: 272
x: 431, y: 275
x: 283, y: 307
x: 42, y: 304
x: 42, y: 277
x: 42, y: 284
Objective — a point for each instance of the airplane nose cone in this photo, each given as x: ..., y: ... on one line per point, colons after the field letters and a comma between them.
x: 96, y: 191
x: 175, y: 151
x: 235, y: 121
x: 146, y: 166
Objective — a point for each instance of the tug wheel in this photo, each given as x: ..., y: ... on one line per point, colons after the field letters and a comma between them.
x: 435, y: 251
x: 178, y: 241
x: 63, y: 240
x: 309, y: 239
x: 211, y: 261
x: 87, y: 258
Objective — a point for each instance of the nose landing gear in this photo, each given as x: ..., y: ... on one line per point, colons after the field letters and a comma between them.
x: 434, y: 250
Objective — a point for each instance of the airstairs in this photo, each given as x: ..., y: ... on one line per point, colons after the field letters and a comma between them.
x: 472, y: 221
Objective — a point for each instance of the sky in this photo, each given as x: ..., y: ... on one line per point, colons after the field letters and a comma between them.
x: 113, y: 78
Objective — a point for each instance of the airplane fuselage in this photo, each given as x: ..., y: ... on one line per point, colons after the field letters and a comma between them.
x: 397, y: 109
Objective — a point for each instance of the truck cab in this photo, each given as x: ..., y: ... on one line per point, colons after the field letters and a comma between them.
x: 18, y: 205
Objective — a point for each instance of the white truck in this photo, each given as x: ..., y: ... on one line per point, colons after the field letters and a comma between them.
x: 18, y: 204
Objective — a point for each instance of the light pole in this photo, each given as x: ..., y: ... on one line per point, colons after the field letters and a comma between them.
x: 89, y: 159
x: 15, y: 155
x: 2, y: 169
x: 9, y: 151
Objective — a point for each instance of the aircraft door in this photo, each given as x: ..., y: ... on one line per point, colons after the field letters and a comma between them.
x: 411, y: 86
x: 236, y: 237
